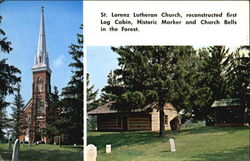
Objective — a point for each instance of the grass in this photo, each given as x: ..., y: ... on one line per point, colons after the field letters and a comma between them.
x: 45, y: 152
x: 192, y: 144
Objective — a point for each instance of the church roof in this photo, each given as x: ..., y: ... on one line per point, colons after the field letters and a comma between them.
x: 41, y: 61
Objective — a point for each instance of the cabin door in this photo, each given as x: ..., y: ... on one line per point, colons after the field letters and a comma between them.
x: 125, y: 123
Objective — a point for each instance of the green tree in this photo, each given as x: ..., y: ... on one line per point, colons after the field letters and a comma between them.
x: 189, y: 90
x: 108, y: 91
x: 3, y: 117
x: 163, y: 74
x: 215, y: 67
x: 56, y: 118
x: 239, y: 73
x: 72, y: 95
x: 17, y: 108
x: 8, y: 78
x: 92, y: 102
x: 238, y: 76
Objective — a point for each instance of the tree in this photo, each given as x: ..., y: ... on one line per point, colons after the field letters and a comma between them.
x: 17, y: 108
x: 8, y: 78
x: 107, y: 94
x: 56, y: 118
x: 189, y: 90
x: 72, y: 100
x: 238, y: 76
x: 8, y: 72
x: 92, y: 102
x: 215, y: 67
x: 238, y: 73
x: 150, y: 74
x: 3, y: 117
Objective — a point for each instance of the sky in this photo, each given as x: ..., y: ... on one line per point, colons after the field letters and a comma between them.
x: 100, y: 61
x: 21, y: 24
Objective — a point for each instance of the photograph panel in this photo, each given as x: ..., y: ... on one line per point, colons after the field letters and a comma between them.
x: 41, y: 80
x: 151, y: 101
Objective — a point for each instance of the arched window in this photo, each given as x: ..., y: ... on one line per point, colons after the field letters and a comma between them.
x: 39, y: 84
x: 48, y: 86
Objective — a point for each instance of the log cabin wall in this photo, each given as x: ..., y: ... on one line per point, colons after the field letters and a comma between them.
x: 109, y: 122
x: 171, y: 115
x: 124, y: 122
x: 134, y: 121
x: 155, y: 119
x: 139, y: 122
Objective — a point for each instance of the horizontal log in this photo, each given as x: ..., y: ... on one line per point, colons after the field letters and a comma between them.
x: 139, y: 128
x: 140, y: 121
x: 139, y: 117
x: 139, y: 125
x: 109, y: 128
x: 145, y: 125
x: 111, y: 123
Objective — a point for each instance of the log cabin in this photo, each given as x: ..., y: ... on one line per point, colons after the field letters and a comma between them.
x: 145, y: 119
x: 230, y: 112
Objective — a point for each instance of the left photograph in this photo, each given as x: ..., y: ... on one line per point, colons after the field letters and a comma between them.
x: 41, y: 80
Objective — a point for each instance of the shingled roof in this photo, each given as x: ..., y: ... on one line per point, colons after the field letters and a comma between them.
x: 105, y: 109
x: 227, y: 102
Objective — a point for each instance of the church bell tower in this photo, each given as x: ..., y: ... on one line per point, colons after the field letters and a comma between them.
x: 41, y: 88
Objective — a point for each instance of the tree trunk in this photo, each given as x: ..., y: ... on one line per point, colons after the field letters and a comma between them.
x: 59, y: 140
x: 162, y: 120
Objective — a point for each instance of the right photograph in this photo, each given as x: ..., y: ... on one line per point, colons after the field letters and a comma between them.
x: 168, y: 103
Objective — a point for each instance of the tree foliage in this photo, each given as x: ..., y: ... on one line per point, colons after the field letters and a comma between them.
x: 17, y: 112
x: 92, y: 101
x: 150, y: 74
x: 111, y: 89
x: 189, y: 79
x: 8, y: 78
x: 72, y: 95
x: 56, y: 120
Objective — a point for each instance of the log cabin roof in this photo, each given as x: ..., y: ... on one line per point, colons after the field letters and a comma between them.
x: 232, y: 102
x: 105, y: 109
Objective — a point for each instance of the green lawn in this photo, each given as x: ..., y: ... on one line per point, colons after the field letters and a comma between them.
x: 192, y: 144
x: 44, y: 152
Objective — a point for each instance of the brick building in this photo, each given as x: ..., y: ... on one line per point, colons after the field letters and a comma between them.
x: 37, y: 110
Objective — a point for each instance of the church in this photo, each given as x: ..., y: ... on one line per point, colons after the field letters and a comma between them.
x: 37, y: 111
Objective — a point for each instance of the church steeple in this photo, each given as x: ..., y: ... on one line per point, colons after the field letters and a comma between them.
x: 41, y: 61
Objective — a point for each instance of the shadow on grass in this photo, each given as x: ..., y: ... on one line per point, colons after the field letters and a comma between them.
x: 238, y: 154
x: 207, y: 129
x: 118, y: 139
x: 50, y: 153
x: 73, y: 147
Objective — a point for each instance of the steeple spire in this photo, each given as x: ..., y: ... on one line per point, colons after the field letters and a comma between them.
x: 41, y: 58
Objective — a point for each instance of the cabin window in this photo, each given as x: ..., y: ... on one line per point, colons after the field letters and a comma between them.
x: 166, y: 119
